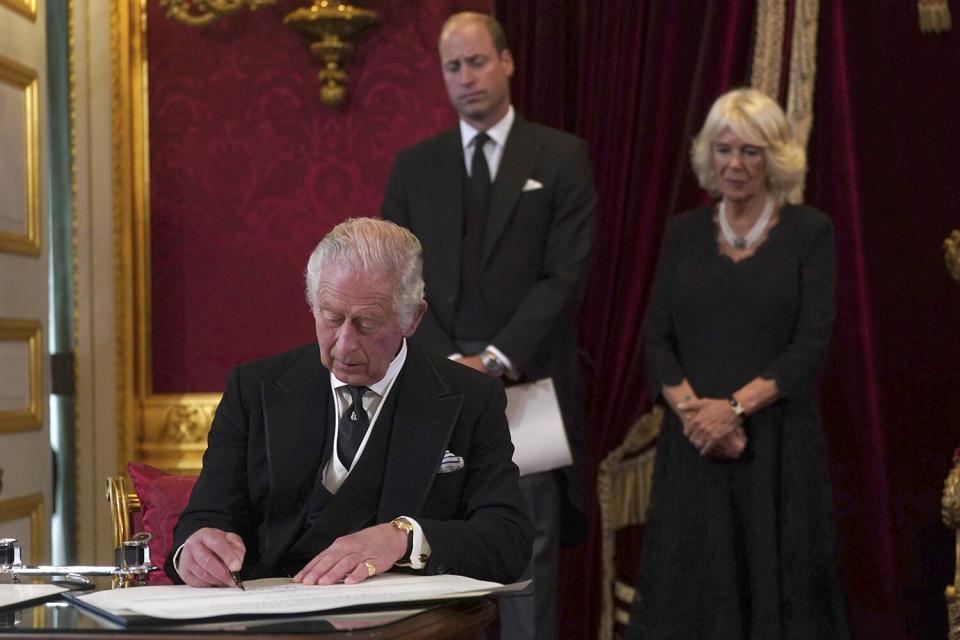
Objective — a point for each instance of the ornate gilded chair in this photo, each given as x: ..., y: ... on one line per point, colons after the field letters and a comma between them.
x: 151, y: 503
x: 950, y: 511
x: 623, y: 489
x: 124, y: 509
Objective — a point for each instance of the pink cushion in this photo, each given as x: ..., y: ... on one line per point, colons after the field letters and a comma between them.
x: 162, y: 497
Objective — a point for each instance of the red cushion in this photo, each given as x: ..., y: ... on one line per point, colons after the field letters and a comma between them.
x: 162, y: 497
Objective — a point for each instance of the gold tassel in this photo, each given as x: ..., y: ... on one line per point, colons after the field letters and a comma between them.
x: 951, y: 252
x: 934, y: 16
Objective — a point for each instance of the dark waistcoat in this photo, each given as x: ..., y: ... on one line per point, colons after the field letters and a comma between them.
x: 354, y: 506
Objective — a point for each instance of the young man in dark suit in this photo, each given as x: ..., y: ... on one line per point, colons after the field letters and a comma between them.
x: 360, y: 452
x: 504, y: 210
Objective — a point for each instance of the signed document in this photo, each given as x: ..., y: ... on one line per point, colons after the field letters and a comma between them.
x: 283, y: 596
x: 536, y: 427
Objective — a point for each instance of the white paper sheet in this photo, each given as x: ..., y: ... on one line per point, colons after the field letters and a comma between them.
x: 282, y: 596
x: 536, y: 428
x: 11, y: 594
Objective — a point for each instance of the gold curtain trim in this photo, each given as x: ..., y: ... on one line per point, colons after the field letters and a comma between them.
x: 768, y: 47
x: 803, y: 73
x: 951, y: 253
x: 934, y: 16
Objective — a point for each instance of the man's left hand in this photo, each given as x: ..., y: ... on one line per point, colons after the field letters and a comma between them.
x: 346, y: 559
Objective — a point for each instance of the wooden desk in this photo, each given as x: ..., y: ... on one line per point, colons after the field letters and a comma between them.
x: 457, y: 619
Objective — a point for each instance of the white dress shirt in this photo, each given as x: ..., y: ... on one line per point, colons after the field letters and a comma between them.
x: 493, y: 150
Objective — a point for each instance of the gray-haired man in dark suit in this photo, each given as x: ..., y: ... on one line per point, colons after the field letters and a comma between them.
x: 360, y: 452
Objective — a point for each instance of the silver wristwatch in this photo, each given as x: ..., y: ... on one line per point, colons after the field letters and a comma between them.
x: 493, y: 365
x: 738, y: 409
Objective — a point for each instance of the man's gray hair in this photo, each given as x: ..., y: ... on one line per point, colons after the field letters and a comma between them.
x: 377, y: 248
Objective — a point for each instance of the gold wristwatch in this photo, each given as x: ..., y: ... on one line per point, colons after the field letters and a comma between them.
x: 403, y: 524
x: 407, y: 527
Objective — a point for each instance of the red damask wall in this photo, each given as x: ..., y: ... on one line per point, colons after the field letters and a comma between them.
x: 248, y: 170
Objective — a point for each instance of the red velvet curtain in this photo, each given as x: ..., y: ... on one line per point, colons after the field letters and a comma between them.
x: 883, y: 163
x: 635, y: 80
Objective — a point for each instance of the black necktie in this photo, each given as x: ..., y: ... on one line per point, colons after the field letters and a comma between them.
x: 480, y: 173
x: 353, y: 426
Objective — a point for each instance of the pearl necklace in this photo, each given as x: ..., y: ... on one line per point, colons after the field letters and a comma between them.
x: 744, y: 242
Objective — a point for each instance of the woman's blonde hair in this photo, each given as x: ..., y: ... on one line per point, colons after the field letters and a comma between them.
x: 757, y: 120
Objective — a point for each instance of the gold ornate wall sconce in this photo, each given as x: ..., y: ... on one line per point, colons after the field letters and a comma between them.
x: 332, y: 25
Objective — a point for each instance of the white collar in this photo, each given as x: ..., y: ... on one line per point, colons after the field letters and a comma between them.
x: 383, y: 385
x: 498, y: 132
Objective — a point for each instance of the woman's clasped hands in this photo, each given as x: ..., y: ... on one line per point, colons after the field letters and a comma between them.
x: 711, y: 426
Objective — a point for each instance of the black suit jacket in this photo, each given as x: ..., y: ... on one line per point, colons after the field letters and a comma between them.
x: 534, y: 264
x: 266, y: 443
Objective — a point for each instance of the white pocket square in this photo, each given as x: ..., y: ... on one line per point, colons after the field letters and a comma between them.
x: 450, y: 463
x: 532, y: 185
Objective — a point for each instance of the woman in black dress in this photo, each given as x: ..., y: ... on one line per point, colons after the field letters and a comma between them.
x: 739, y: 537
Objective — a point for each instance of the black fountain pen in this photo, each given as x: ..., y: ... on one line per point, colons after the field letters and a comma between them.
x: 237, y: 581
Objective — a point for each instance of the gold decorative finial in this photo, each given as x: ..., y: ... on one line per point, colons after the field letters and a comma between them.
x: 331, y: 25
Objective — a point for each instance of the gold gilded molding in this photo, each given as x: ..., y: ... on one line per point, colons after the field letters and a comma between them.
x: 167, y: 431
x: 31, y: 507
x: 25, y: 79
x: 199, y: 13
x: 175, y: 430
x: 74, y: 248
x: 26, y: 8
x: 30, y: 417
x: 951, y: 253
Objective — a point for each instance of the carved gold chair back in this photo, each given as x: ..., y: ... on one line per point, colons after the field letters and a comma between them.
x: 950, y: 511
x: 623, y: 489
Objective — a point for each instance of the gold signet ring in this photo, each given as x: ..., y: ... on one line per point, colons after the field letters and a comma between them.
x: 371, y: 570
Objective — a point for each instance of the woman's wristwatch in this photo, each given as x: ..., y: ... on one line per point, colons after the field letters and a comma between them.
x: 738, y: 409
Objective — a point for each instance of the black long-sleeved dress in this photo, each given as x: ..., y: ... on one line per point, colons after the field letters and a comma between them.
x: 743, y: 548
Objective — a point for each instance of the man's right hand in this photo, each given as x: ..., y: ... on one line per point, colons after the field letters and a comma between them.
x: 208, y: 557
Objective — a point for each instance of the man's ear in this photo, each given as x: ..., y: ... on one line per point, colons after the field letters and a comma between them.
x: 507, y: 58
x: 417, y: 317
